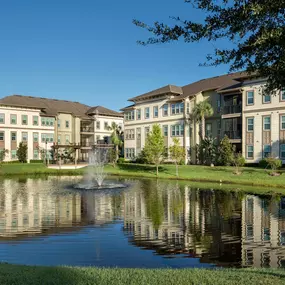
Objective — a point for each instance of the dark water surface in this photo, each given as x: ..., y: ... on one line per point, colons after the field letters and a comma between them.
x: 150, y: 224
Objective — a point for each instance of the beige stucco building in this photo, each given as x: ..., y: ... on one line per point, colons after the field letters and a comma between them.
x: 46, y: 124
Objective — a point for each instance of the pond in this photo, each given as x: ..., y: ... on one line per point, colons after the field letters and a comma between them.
x: 149, y: 224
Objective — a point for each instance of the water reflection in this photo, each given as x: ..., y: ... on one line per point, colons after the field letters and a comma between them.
x: 179, y: 225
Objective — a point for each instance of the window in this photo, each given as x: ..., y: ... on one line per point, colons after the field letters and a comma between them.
x: 97, y: 138
x: 146, y: 131
x: 282, y: 95
x: 106, y: 127
x: 35, y: 137
x: 130, y: 134
x: 13, y: 136
x: 24, y: 137
x: 250, y: 124
x: 47, y: 138
x: 24, y: 119
x: 266, y: 150
x: 130, y: 116
x: 35, y: 120
x: 13, y: 119
x: 58, y: 123
x: 165, y: 110
x: 155, y: 111
x: 58, y: 139
x: 2, y: 136
x: 36, y: 154
x: 130, y: 153
x: 13, y: 154
x: 138, y: 114
x: 146, y: 113
x: 282, y: 122
x: 47, y: 121
x: 188, y: 108
x: 67, y: 139
x: 67, y: 124
x: 165, y: 131
x: 177, y: 108
x: 282, y: 151
x: 249, y: 153
x: 2, y: 118
x: 208, y: 130
x: 267, y: 123
x: 98, y: 125
x: 250, y: 97
x: 266, y: 98
x: 177, y: 130
x: 138, y: 133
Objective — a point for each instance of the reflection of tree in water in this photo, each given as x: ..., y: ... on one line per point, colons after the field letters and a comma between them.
x: 152, y: 191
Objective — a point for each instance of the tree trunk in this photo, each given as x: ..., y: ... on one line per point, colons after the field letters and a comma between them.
x: 157, y: 170
x: 203, y: 128
x: 117, y: 152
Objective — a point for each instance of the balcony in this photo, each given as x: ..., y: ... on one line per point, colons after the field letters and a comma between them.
x: 87, y: 144
x: 232, y: 109
x: 87, y: 129
x: 234, y: 136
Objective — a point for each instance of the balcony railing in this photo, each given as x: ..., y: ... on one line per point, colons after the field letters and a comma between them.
x: 233, y: 135
x: 232, y: 109
x: 87, y: 130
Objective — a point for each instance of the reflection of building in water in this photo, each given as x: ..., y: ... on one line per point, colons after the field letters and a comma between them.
x: 263, y: 232
x: 31, y: 209
x: 185, y: 221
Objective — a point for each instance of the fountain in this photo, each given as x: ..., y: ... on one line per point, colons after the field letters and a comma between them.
x: 95, y: 176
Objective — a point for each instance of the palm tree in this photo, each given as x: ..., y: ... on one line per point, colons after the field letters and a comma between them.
x: 200, y: 111
x: 116, y: 137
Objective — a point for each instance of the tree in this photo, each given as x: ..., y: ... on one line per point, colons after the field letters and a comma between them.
x: 207, y: 151
x: 177, y: 153
x: 200, y: 111
x: 275, y: 164
x: 238, y: 161
x: 22, y: 151
x: 116, y: 137
x: 225, y: 152
x: 112, y: 156
x: 3, y: 153
x: 255, y: 29
x: 154, y: 146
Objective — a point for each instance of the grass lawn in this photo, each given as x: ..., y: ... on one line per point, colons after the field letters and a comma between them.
x: 27, y: 275
x: 250, y: 175
x: 195, y: 173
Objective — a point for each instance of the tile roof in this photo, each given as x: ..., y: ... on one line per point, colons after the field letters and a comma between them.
x: 163, y: 90
x: 51, y: 107
x: 103, y: 111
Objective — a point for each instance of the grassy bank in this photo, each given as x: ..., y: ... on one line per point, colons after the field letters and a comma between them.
x: 223, y: 175
x: 14, y: 274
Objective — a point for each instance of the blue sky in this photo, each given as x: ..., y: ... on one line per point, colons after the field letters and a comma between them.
x: 86, y: 50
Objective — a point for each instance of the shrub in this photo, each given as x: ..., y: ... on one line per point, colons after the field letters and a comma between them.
x: 36, y: 161
x: 239, y: 161
x: 207, y: 151
x: 225, y: 152
x: 121, y: 160
x: 274, y: 163
x: 11, y: 162
x: 22, y: 152
x: 263, y: 163
x: 141, y: 158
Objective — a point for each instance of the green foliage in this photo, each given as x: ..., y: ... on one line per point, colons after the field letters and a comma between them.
x: 116, y: 137
x: 263, y: 163
x: 121, y: 160
x: 274, y: 163
x: 201, y: 110
x: 112, y: 156
x: 238, y: 161
x: 207, y: 151
x: 225, y: 152
x: 36, y: 161
x: 254, y: 28
x: 22, y: 152
x: 154, y: 146
x: 141, y: 158
x: 177, y: 153
x: 3, y: 154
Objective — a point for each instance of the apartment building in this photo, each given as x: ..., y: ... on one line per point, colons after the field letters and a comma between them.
x: 50, y: 123
x: 253, y: 119
x: 171, y: 107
